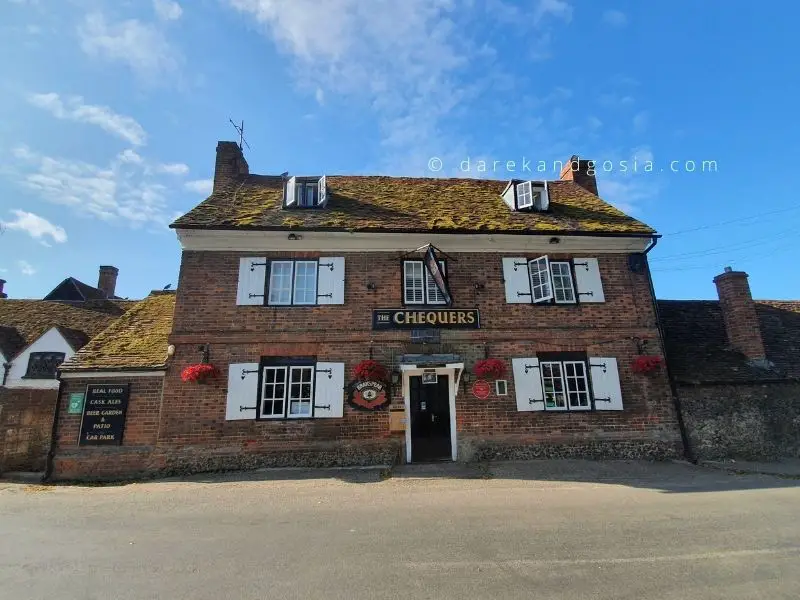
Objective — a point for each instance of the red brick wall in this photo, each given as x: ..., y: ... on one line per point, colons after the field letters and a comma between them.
x: 206, y: 312
x: 26, y: 420
x: 97, y: 462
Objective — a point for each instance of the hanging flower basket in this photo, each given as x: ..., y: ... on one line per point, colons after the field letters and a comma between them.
x: 646, y: 364
x: 490, y: 368
x: 370, y: 370
x: 199, y: 373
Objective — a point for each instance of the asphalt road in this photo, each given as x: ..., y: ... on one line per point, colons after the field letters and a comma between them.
x: 542, y: 530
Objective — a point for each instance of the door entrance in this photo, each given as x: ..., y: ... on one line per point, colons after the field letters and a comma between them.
x: 430, y: 419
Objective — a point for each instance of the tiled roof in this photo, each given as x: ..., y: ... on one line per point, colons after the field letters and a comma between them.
x: 30, y: 319
x: 404, y: 204
x: 137, y: 340
x: 697, y: 344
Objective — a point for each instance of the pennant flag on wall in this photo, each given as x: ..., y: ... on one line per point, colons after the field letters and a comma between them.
x: 435, y: 271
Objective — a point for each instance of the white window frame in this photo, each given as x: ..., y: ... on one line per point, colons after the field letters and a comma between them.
x: 282, y: 289
x: 560, y: 364
x: 264, y: 385
x: 315, y: 269
x: 414, y: 287
x: 301, y: 190
x: 568, y: 383
x: 568, y: 275
x: 545, y: 288
x: 524, y: 195
x: 293, y: 282
x: 501, y: 387
x: 310, y: 400
x: 427, y: 282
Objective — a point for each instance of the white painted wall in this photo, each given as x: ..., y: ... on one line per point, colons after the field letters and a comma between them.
x: 52, y: 341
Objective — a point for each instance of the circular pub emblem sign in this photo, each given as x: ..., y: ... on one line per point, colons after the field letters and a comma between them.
x: 368, y: 395
x: 481, y: 389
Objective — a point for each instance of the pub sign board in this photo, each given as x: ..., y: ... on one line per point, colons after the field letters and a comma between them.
x: 104, y: 412
x: 408, y: 318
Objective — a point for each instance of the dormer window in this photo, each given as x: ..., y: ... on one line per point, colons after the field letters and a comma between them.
x: 530, y: 195
x: 305, y: 192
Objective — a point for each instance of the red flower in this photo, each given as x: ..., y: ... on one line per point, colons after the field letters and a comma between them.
x: 492, y: 368
x: 370, y: 370
x: 646, y: 364
x: 199, y: 372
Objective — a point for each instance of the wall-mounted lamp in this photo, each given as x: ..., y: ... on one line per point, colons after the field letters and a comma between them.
x: 371, y: 286
x: 170, y: 350
x: 395, y: 377
x: 294, y: 236
x: 205, y: 351
x: 467, y: 377
x: 555, y: 240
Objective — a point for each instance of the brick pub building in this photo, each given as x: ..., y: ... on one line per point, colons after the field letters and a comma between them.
x: 288, y: 283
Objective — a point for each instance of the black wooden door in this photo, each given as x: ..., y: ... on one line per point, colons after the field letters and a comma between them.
x: 430, y: 420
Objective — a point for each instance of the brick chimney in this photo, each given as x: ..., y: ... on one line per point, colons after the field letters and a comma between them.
x: 582, y: 172
x: 739, y: 313
x: 107, y: 280
x: 229, y: 166
x: 2, y: 293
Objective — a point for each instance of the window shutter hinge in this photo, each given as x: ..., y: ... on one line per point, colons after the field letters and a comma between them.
x: 520, y: 264
x: 254, y: 265
x: 532, y: 401
x: 523, y: 293
x: 244, y: 408
x: 326, y: 407
x: 602, y: 399
x: 527, y: 367
x: 601, y: 365
x: 329, y: 265
x: 245, y: 372
x: 328, y: 371
x: 585, y: 293
x: 255, y: 295
x: 325, y: 295
x: 581, y: 264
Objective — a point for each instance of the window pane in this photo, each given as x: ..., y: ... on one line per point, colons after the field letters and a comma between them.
x: 300, y: 391
x: 577, y: 385
x: 413, y: 282
x: 524, y: 199
x: 434, y: 295
x: 540, y: 279
x: 305, y: 282
x: 553, y: 384
x: 43, y: 365
x: 280, y: 282
x: 273, y: 392
x: 562, y: 282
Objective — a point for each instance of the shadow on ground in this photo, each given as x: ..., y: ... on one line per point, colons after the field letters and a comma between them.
x: 668, y: 477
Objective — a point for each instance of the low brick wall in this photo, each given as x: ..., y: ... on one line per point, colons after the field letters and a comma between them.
x: 744, y: 421
x: 26, y: 421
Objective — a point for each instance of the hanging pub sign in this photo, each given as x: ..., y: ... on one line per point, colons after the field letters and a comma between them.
x: 435, y: 270
x: 368, y: 395
x: 104, y: 411
x: 403, y: 318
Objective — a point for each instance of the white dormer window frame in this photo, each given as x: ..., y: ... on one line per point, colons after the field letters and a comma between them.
x: 305, y: 192
x: 531, y: 195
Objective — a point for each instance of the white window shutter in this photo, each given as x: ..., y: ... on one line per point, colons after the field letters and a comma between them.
x: 252, y: 281
x: 242, y: 391
x: 587, y: 280
x: 528, y: 384
x: 291, y: 197
x: 541, y: 286
x: 323, y: 191
x: 517, y: 281
x: 605, y: 383
x: 330, y: 280
x: 329, y: 390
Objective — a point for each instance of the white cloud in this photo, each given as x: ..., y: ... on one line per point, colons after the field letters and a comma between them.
x: 142, y: 46
x: 201, y: 186
x: 173, y: 169
x: 35, y: 226
x: 26, y: 268
x: 615, y: 18
x: 166, y: 10
x: 557, y: 9
x: 74, y: 109
x: 123, y: 192
x: 594, y: 123
x: 320, y: 96
x: 640, y: 121
x: 129, y: 156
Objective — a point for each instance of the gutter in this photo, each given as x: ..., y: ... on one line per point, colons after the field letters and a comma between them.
x: 687, y: 448
x: 48, y: 468
x: 6, y: 369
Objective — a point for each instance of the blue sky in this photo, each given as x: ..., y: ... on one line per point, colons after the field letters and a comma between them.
x: 112, y: 109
